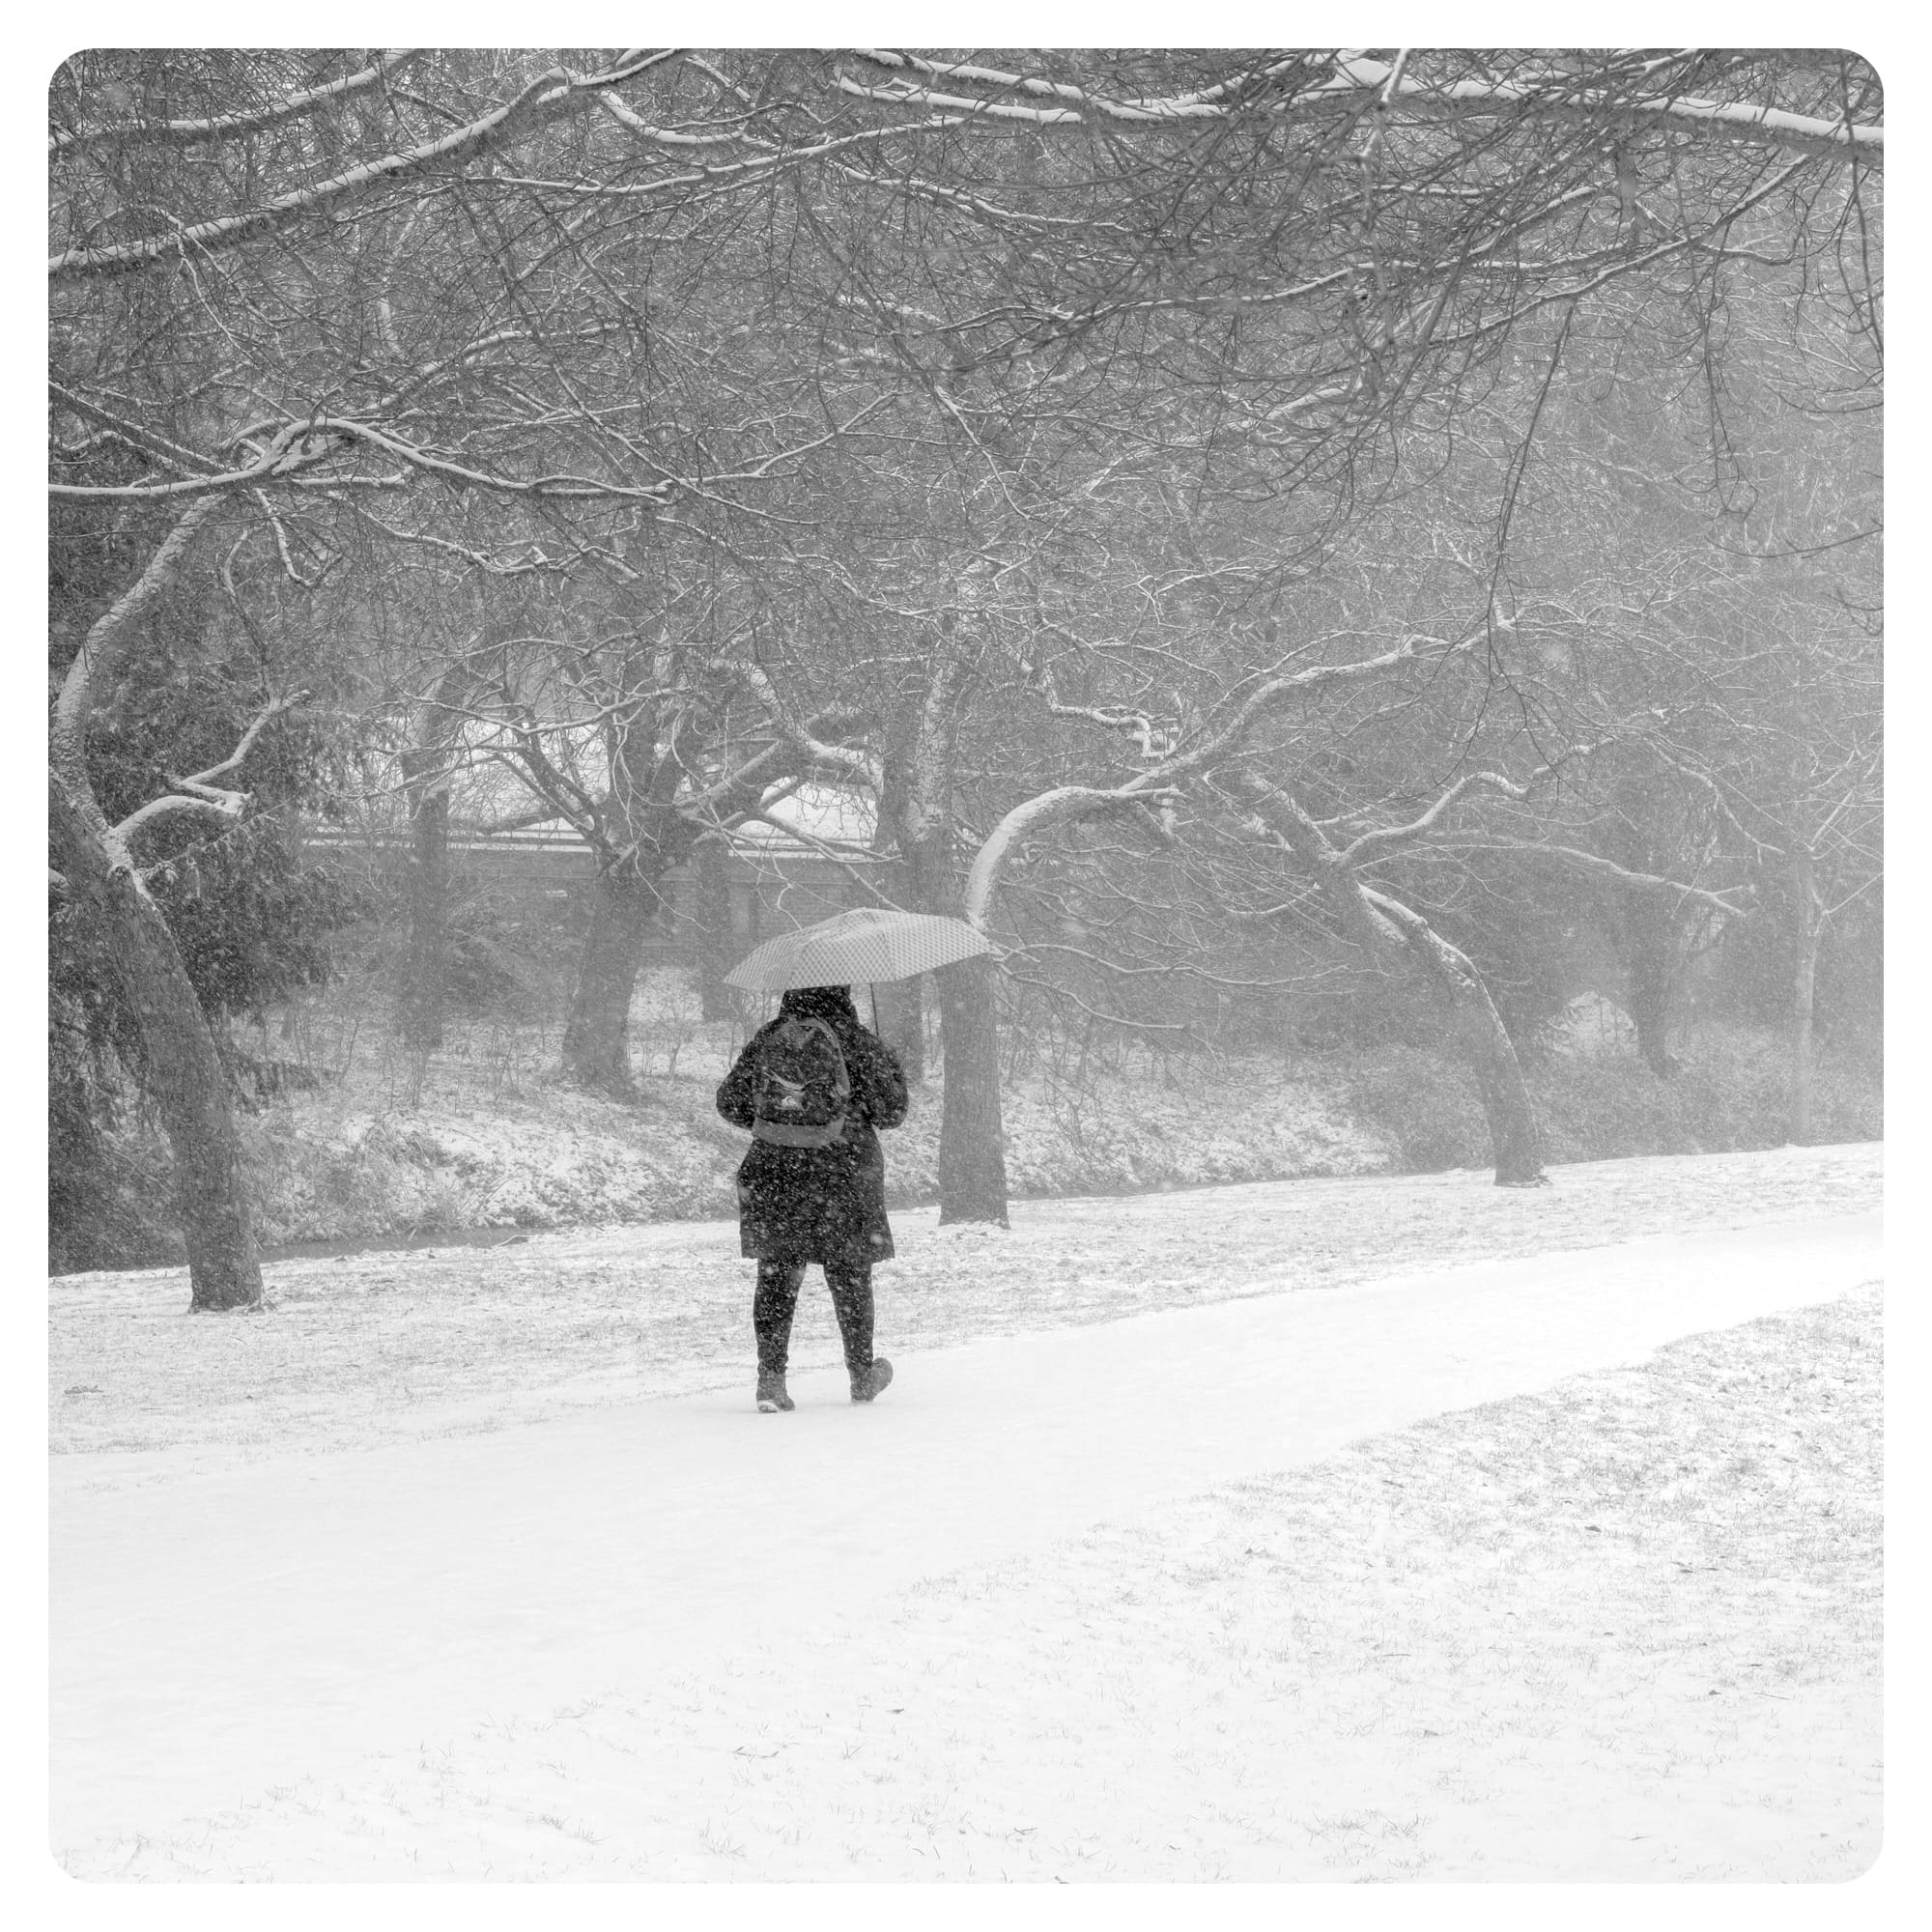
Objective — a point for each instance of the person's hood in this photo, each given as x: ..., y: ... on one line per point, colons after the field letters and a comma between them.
x: 819, y: 1003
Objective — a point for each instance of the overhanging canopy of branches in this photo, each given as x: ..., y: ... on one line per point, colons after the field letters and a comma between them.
x: 603, y: 280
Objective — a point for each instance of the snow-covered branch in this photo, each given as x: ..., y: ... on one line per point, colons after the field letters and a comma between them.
x: 857, y: 862
x: 546, y: 98
x: 1562, y: 97
x: 103, y: 640
x: 626, y: 116
x: 1355, y: 83
x: 1278, y: 817
x: 1592, y: 862
x: 136, y: 435
x: 1377, y: 844
x: 332, y: 435
x: 199, y: 792
x: 1061, y: 805
x: 715, y: 175
x: 285, y: 453
x: 1278, y: 691
x: 848, y: 760
x: 1075, y: 106
x: 222, y: 127
x: 1155, y: 741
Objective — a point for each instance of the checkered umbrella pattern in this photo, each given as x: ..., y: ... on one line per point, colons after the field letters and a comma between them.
x: 871, y: 943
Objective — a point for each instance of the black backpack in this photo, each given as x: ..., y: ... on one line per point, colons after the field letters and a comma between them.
x: 802, y: 1087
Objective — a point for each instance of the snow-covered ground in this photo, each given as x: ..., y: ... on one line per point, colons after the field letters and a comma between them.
x: 1148, y: 1566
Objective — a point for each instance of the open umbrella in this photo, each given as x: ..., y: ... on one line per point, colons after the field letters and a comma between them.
x: 871, y: 943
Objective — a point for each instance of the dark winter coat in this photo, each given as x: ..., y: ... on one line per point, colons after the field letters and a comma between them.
x: 819, y: 1204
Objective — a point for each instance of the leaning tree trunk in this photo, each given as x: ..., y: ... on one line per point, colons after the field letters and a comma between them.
x: 597, y: 1038
x: 972, y: 1144
x: 425, y: 964
x: 180, y: 1065
x: 1386, y: 927
x: 1803, y: 985
x: 1514, y: 1138
x: 711, y: 914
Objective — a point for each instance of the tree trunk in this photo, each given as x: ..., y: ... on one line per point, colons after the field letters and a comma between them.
x: 180, y: 1065
x: 1384, y: 926
x: 711, y: 914
x: 972, y: 1143
x: 597, y: 1040
x: 1651, y: 935
x: 901, y: 1001
x: 916, y: 819
x: 1514, y: 1138
x: 902, y: 1022
x: 429, y: 903
x: 1804, y: 983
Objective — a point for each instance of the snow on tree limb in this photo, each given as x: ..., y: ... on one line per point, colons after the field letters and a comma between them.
x: 1155, y: 741
x: 1392, y: 839
x: 280, y: 457
x: 547, y: 97
x: 1061, y: 805
x: 1356, y: 82
x: 1558, y: 98
x: 287, y: 453
x: 1593, y: 862
x: 1278, y: 691
x: 104, y: 640
x: 137, y: 436
x: 844, y: 759
x: 71, y: 785
x: 626, y: 116
x: 1279, y: 816
x: 1065, y: 803
x: 1076, y: 104
x: 1278, y: 812
x: 199, y: 792
x: 221, y: 127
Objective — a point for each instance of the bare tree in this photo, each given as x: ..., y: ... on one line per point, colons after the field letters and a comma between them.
x: 821, y: 326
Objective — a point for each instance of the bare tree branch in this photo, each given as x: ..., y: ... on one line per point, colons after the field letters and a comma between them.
x: 546, y: 98
x: 1358, y: 82
x: 191, y: 133
x: 103, y: 644
x: 1389, y: 839
x: 1592, y: 862
x: 1064, y: 805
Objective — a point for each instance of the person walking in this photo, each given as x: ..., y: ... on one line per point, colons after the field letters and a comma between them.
x: 813, y: 1086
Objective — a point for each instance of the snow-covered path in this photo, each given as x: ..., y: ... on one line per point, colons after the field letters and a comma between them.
x: 228, y: 1632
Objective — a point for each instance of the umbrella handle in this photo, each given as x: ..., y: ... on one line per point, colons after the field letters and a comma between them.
x: 872, y: 987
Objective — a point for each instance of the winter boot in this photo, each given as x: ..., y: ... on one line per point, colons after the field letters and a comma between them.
x: 772, y: 1395
x: 868, y: 1382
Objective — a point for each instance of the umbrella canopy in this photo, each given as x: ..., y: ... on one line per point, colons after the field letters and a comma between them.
x: 871, y: 943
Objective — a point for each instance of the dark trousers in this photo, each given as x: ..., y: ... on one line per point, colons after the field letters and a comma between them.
x: 776, y: 1303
